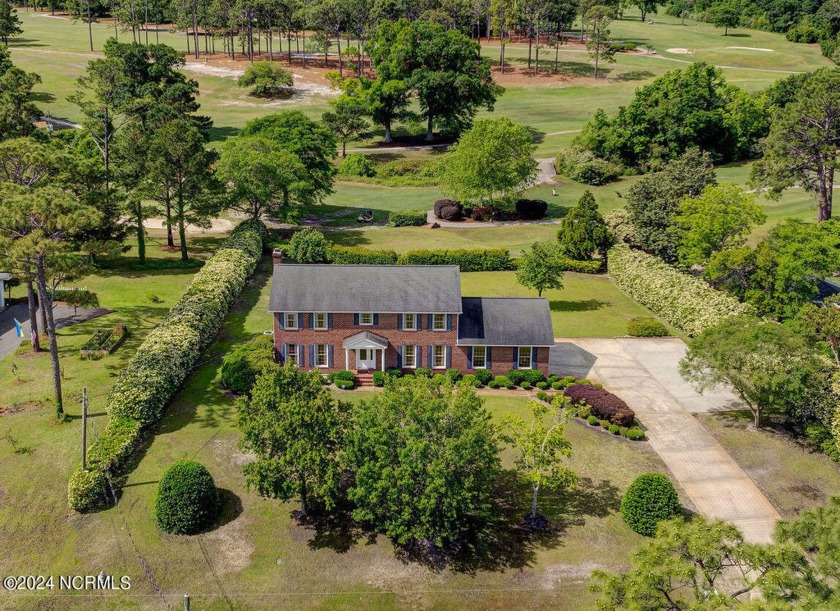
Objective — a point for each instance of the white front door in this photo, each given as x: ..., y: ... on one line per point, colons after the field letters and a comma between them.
x: 365, y: 358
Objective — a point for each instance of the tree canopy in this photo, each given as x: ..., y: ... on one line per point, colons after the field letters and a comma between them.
x: 541, y: 267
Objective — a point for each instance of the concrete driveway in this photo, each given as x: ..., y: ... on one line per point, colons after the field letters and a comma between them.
x: 64, y: 317
x: 645, y: 373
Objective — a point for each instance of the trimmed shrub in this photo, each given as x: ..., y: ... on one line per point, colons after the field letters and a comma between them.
x: 605, y: 424
x: 533, y: 376
x: 602, y: 403
x: 358, y: 255
x: 423, y: 372
x: 492, y: 384
x: 483, y: 375
x: 393, y: 372
x: 165, y: 358
x: 525, y: 386
x: 407, y: 218
x: 531, y: 209
x: 583, y: 166
x: 592, y: 420
x: 686, y: 302
x: 379, y: 378
x: 448, y: 210
x: 242, y: 365
x: 503, y: 382
x: 557, y: 386
x: 649, y: 500
x: 343, y: 374
x: 635, y: 434
x: 593, y: 266
x: 646, y: 327
x: 308, y: 246
x: 613, y: 429
x: 187, y: 499
x: 516, y: 376
x: 439, y: 379
x: 542, y: 385
x: 345, y: 384
x: 490, y: 260
x: 542, y: 396
x: 453, y: 374
x: 356, y: 164
x: 476, y: 384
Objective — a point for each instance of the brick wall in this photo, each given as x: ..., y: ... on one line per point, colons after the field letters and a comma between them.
x: 388, y: 327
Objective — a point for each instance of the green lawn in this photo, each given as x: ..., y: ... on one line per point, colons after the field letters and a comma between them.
x: 259, y: 558
x: 587, y: 306
x: 793, y: 475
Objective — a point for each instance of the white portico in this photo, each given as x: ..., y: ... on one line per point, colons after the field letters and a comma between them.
x: 369, y: 349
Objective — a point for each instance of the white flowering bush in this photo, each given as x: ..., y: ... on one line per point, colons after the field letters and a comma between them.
x: 164, y: 359
x: 686, y: 302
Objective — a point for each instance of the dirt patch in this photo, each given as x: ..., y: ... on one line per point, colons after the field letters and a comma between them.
x: 233, y: 546
x: 19, y: 408
x: 559, y: 575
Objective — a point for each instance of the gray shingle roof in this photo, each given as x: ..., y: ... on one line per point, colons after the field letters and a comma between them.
x: 505, y: 321
x: 423, y: 289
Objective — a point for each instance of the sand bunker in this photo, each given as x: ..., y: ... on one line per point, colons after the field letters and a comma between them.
x: 680, y: 51
x: 752, y: 49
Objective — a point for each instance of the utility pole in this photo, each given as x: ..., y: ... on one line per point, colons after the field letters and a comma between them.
x: 84, y: 427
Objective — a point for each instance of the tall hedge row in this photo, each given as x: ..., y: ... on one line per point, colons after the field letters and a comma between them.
x: 686, y: 302
x: 164, y: 360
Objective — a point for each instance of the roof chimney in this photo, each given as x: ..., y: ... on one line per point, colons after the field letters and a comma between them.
x: 277, y: 256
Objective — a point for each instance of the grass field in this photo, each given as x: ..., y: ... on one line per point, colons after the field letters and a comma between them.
x: 259, y: 557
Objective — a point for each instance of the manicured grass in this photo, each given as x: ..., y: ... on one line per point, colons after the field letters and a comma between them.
x: 793, y: 475
x: 586, y: 306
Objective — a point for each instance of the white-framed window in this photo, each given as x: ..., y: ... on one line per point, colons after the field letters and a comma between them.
x: 319, y: 321
x: 410, y: 357
x: 291, y: 353
x: 479, y: 357
x: 523, y: 359
x: 290, y: 320
x: 321, y: 359
x: 438, y: 322
x: 438, y: 357
x: 410, y: 322
x: 366, y: 318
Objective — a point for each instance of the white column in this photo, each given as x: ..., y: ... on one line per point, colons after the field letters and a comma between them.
x: 347, y: 358
x: 383, y: 359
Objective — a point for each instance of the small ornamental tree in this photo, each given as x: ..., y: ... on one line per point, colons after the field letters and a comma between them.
x: 542, y: 447
x: 267, y: 78
x: 187, y: 499
x: 541, y: 267
x: 308, y: 246
x: 583, y: 230
x: 649, y: 500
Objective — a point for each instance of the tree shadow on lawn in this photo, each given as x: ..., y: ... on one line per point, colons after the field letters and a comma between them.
x: 504, y: 543
x: 349, y: 238
x: 632, y: 75
x: 581, y: 305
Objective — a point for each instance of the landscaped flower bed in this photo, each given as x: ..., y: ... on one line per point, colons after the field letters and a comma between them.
x: 103, y: 342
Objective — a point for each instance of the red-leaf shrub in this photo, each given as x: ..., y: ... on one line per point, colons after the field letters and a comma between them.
x: 602, y: 403
x: 448, y: 210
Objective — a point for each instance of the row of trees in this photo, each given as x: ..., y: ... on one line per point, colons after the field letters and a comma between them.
x: 418, y: 461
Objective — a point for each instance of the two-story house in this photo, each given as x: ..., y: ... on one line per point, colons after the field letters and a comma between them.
x: 366, y: 318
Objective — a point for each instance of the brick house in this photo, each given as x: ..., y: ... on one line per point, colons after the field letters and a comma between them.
x: 374, y: 317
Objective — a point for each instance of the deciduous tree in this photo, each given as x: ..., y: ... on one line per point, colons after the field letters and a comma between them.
x: 598, y: 19
x: 541, y: 267
x: 346, y: 119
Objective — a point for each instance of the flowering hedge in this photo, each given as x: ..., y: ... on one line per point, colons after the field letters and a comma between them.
x: 686, y: 302
x: 164, y: 360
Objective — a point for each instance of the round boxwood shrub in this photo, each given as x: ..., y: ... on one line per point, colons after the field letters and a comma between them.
x: 646, y: 327
x: 635, y: 434
x: 613, y: 429
x: 187, y: 499
x: 541, y: 385
x: 469, y: 379
x: 308, y: 246
x: 345, y: 384
x: 379, y: 378
x: 503, y: 382
x: 593, y: 420
x: 525, y: 386
x: 492, y: 384
x: 483, y: 375
x: 516, y: 376
x: 476, y: 384
x: 356, y: 164
x: 242, y: 365
x: 453, y: 374
x: 649, y: 500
